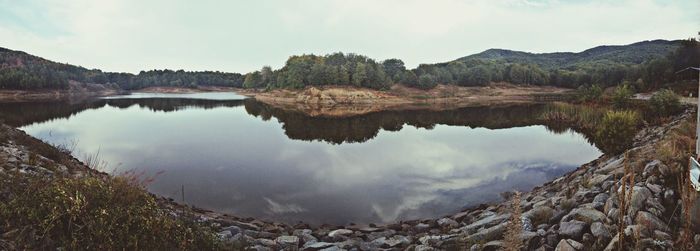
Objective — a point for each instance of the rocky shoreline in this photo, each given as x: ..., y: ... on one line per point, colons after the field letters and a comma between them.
x: 578, y: 211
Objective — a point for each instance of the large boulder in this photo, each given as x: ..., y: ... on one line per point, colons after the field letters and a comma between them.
x: 588, y: 215
x: 572, y: 229
x: 651, y: 221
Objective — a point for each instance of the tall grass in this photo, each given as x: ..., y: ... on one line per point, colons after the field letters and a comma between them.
x: 92, y: 213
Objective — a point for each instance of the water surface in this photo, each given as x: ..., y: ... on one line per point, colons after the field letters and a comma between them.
x: 249, y: 159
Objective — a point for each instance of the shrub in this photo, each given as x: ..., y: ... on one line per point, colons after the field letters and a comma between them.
x: 92, y: 214
x: 616, y: 131
x: 621, y: 96
x: 665, y: 102
x: 590, y: 93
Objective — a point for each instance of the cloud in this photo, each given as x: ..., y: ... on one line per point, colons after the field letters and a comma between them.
x: 241, y: 36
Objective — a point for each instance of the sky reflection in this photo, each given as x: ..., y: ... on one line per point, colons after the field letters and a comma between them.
x: 231, y: 161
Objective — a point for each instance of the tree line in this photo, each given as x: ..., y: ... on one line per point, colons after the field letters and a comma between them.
x: 19, y: 70
x: 357, y: 70
x: 649, y: 70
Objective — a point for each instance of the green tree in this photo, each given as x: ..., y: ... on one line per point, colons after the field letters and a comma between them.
x: 359, y: 78
x: 426, y: 81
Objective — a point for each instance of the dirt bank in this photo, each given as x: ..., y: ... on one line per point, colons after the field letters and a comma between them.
x: 75, y: 90
x: 164, y: 89
x: 347, y: 101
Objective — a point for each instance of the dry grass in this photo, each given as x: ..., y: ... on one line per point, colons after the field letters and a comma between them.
x: 624, y: 197
x: 92, y: 213
x: 675, y: 150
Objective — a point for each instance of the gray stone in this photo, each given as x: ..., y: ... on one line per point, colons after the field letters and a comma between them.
x: 601, y: 198
x: 568, y: 245
x: 447, y: 223
x: 639, y: 196
x: 376, y: 235
x: 588, y: 215
x: 424, y: 248
x: 288, y: 241
x: 260, y: 248
x: 339, y: 232
x: 651, y: 221
x: 491, y: 220
x: 598, y: 179
x: 421, y: 227
x: 659, y: 235
x: 393, y: 241
x: 656, y: 189
x: 572, y: 229
x: 318, y: 245
x: 265, y: 242
x: 600, y: 231
x: 489, y: 234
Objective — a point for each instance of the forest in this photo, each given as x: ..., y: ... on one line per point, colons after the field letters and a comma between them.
x: 643, y: 66
x: 19, y: 70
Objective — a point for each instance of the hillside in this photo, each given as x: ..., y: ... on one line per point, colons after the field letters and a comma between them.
x: 635, y: 53
x: 647, y: 65
x: 23, y: 71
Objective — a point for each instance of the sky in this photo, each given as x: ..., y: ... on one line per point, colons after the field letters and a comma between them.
x: 242, y: 36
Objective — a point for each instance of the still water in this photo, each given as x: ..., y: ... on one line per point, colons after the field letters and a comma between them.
x: 243, y: 157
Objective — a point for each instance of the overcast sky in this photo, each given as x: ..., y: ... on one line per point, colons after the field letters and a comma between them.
x: 240, y: 36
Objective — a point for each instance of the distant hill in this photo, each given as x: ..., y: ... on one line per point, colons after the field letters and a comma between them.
x: 646, y: 64
x: 20, y: 70
x: 635, y: 53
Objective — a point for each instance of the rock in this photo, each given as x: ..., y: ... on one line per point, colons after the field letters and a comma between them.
x: 461, y: 216
x: 489, y: 234
x: 397, y: 240
x: 656, y: 189
x: 596, y: 180
x: 601, y: 198
x: 265, y: 242
x: 527, y: 224
x: 600, y: 231
x: 225, y: 235
x: 669, y: 196
x: 421, y: 227
x: 490, y: 220
x: 639, y: 196
x: 288, y: 241
x: 491, y: 245
x: 423, y: 248
x: 260, y: 248
x: 568, y: 245
x: 588, y: 215
x: 651, y: 221
x: 447, y: 223
x: 317, y: 245
x: 376, y: 235
x: 612, y: 245
x: 655, y: 167
x: 659, y: 235
x: 233, y: 229
x: 339, y: 232
x: 572, y: 229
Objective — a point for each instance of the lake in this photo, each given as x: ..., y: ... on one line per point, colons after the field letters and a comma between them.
x: 243, y: 157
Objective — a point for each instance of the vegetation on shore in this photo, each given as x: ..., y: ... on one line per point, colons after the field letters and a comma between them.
x: 91, y: 213
x: 641, y: 66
